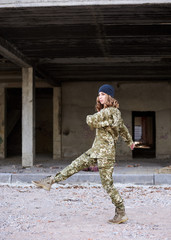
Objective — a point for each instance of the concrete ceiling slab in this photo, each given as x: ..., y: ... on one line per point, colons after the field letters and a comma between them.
x: 87, y: 43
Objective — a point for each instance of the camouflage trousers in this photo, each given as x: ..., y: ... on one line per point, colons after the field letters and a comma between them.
x: 105, y: 166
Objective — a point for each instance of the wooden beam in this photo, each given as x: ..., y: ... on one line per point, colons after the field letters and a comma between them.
x: 11, y: 53
x: 115, y: 77
x: 116, y: 59
x: 44, y: 76
x: 5, y: 75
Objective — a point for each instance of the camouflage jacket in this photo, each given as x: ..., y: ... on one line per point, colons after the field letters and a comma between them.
x: 109, y: 125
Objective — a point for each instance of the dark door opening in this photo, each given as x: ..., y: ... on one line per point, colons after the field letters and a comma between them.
x: 144, y: 134
x: 13, y: 96
x: 44, y: 121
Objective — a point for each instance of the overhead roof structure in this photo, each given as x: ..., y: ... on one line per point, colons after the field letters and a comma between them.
x: 86, y: 40
x: 45, y: 3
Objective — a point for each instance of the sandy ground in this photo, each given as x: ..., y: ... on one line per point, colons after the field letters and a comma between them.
x: 81, y: 212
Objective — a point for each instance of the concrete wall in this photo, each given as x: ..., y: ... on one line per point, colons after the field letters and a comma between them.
x: 78, y: 100
x: 150, y: 97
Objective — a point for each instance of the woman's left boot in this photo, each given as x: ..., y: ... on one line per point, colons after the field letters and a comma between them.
x: 120, y: 216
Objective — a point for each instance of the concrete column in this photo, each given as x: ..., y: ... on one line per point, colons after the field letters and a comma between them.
x: 56, y: 122
x: 28, y: 118
x: 2, y: 123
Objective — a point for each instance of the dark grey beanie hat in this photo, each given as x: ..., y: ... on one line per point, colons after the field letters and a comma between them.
x: 108, y: 89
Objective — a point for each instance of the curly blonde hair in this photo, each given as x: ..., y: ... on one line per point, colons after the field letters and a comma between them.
x: 111, y: 102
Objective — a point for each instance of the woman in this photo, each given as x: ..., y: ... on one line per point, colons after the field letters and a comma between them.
x: 109, y: 125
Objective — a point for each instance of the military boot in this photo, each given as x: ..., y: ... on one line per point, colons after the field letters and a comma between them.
x: 120, y: 216
x: 45, y: 183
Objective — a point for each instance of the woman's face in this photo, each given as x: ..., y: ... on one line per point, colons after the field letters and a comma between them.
x: 102, y: 97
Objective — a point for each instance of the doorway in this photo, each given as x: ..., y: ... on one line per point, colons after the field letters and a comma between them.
x: 144, y: 134
x: 13, y: 116
x: 43, y: 126
x: 44, y: 121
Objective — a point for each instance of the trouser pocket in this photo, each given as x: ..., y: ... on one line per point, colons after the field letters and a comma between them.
x: 105, y: 163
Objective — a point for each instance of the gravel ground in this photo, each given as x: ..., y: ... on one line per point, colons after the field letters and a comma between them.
x: 81, y: 212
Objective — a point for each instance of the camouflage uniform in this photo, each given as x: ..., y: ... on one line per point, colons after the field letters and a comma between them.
x: 109, y: 125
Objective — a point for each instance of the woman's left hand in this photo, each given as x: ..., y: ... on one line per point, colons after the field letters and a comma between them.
x: 132, y: 146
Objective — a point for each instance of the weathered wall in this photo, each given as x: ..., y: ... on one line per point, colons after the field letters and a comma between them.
x: 78, y: 100
x: 150, y: 97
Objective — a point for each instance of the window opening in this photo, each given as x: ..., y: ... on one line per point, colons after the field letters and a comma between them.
x: 144, y: 134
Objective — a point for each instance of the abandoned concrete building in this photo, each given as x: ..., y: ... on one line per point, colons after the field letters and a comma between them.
x: 54, y: 55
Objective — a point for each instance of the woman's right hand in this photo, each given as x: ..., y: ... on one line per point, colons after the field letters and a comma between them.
x: 132, y: 146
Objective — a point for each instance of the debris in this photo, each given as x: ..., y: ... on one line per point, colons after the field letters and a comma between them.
x: 81, y: 212
x: 54, y: 167
x: 137, y: 165
x: 39, y: 165
x: 86, y: 169
x: 167, y: 188
x: 93, y: 168
x: 71, y: 200
x: 166, y: 170
x: 22, y: 191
